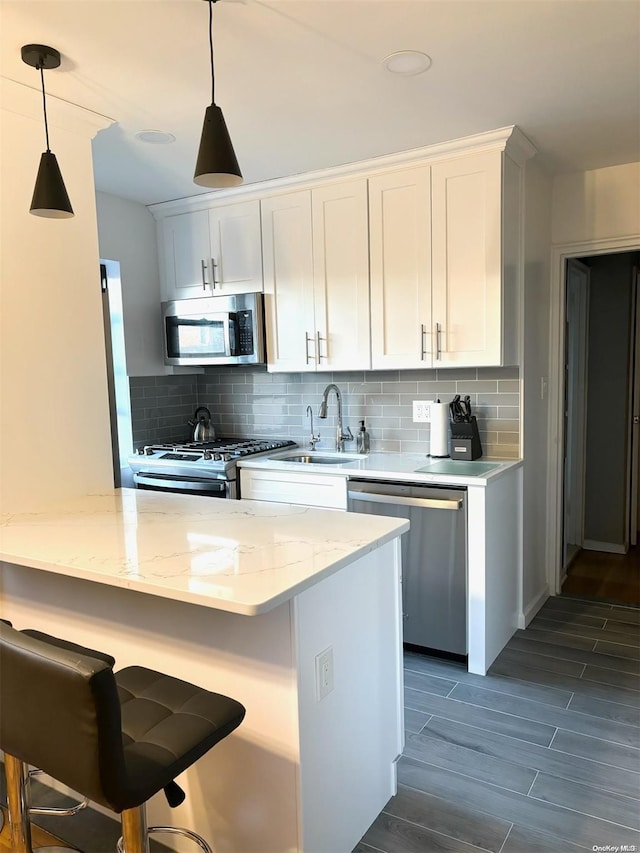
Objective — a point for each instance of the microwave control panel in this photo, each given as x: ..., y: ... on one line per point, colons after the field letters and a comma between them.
x: 245, y: 333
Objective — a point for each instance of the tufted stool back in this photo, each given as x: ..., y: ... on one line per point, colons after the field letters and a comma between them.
x: 60, y: 711
x: 117, y: 739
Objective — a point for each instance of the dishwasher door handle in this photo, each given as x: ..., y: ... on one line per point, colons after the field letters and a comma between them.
x: 425, y: 503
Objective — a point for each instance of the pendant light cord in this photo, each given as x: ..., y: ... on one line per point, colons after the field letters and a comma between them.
x: 213, y: 85
x: 44, y: 107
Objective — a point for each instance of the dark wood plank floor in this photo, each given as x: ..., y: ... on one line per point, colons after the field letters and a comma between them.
x: 606, y: 576
x: 541, y: 755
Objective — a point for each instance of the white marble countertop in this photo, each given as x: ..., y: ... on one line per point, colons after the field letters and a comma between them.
x: 240, y: 556
x: 405, y: 467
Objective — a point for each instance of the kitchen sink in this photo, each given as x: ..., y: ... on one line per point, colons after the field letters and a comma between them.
x: 311, y: 458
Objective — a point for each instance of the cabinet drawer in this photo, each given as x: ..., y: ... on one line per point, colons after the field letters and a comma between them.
x: 303, y: 489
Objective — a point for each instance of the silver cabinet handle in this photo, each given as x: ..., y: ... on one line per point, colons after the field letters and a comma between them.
x: 318, y: 353
x: 438, y: 342
x: 426, y: 503
x: 213, y: 274
x: 307, y: 338
x: 203, y: 266
x: 423, y: 341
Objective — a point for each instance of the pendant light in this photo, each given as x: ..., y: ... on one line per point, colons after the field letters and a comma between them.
x: 50, y: 195
x: 217, y: 165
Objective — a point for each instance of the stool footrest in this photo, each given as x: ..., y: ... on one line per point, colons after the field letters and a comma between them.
x: 174, y: 830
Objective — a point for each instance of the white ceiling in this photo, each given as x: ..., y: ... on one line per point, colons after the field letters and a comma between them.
x: 302, y: 86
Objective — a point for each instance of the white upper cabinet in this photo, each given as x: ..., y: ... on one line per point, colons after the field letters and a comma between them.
x: 445, y: 255
x: 400, y: 235
x: 185, y: 255
x: 413, y: 260
x: 211, y: 252
x: 341, y: 276
x: 288, y: 282
x: 236, y: 247
x: 316, y: 278
x: 466, y: 267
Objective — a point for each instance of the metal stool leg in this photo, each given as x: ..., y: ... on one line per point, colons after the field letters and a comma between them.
x: 135, y: 838
x: 18, y: 794
x: 17, y: 774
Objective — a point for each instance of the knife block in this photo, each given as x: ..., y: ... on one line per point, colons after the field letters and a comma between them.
x: 465, y: 440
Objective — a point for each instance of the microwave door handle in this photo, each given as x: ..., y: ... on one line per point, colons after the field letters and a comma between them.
x: 227, y: 336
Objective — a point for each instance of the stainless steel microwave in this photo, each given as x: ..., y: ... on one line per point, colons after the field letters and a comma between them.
x: 215, y: 330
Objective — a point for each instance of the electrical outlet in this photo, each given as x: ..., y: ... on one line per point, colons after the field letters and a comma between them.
x: 324, y: 673
x: 422, y: 411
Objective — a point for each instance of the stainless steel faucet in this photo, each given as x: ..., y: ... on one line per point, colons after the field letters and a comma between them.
x: 313, y: 438
x: 341, y: 436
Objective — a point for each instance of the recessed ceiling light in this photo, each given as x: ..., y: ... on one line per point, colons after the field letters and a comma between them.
x: 155, y: 137
x: 407, y: 62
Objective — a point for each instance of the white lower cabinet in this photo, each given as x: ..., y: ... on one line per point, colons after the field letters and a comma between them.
x: 317, y: 490
x: 316, y: 278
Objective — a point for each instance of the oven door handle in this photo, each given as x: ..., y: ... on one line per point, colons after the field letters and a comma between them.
x: 167, y: 482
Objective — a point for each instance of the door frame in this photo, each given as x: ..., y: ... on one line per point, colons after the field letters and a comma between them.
x: 634, y: 413
x: 575, y: 430
x: 560, y: 254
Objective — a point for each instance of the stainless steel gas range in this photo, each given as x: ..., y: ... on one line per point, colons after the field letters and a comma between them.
x: 198, y: 468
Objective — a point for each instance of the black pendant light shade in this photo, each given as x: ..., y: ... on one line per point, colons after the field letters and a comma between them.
x: 50, y: 196
x: 217, y: 165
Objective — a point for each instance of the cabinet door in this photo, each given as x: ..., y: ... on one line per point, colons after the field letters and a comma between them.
x: 186, y: 257
x: 288, y: 282
x: 341, y: 276
x: 236, y: 247
x: 400, y: 234
x: 467, y: 263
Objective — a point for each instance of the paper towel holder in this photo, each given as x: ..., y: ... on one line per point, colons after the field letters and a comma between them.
x: 439, y: 438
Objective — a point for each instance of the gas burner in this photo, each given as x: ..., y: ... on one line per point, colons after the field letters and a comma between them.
x: 223, y: 450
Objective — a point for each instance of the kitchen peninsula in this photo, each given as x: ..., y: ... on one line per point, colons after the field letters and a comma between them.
x: 243, y: 598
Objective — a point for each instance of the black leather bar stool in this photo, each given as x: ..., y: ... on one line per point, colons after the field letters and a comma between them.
x: 117, y: 739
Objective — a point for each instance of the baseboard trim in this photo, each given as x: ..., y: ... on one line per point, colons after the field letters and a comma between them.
x: 532, y: 608
x: 607, y: 547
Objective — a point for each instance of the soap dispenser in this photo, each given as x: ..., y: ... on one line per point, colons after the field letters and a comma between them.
x: 363, y: 439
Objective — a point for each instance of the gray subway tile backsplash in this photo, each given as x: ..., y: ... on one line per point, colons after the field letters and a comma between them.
x: 248, y: 401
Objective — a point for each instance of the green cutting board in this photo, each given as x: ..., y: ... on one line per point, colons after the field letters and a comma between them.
x: 459, y: 467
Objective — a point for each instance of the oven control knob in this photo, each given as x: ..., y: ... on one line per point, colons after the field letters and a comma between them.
x: 149, y: 451
x: 207, y: 455
x: 217, y: 457
x: 226, y: 457
x: 140, y: 451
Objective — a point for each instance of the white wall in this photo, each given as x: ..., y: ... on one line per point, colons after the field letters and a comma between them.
x: 127, y: 233
x: 596, y: 205
x: 54, y: 416
x: 535, y: 371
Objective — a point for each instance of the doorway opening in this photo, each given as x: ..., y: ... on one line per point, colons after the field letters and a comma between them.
x: 601, y: 427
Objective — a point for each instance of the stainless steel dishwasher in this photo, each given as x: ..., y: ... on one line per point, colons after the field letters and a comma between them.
x: 434, y: 557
